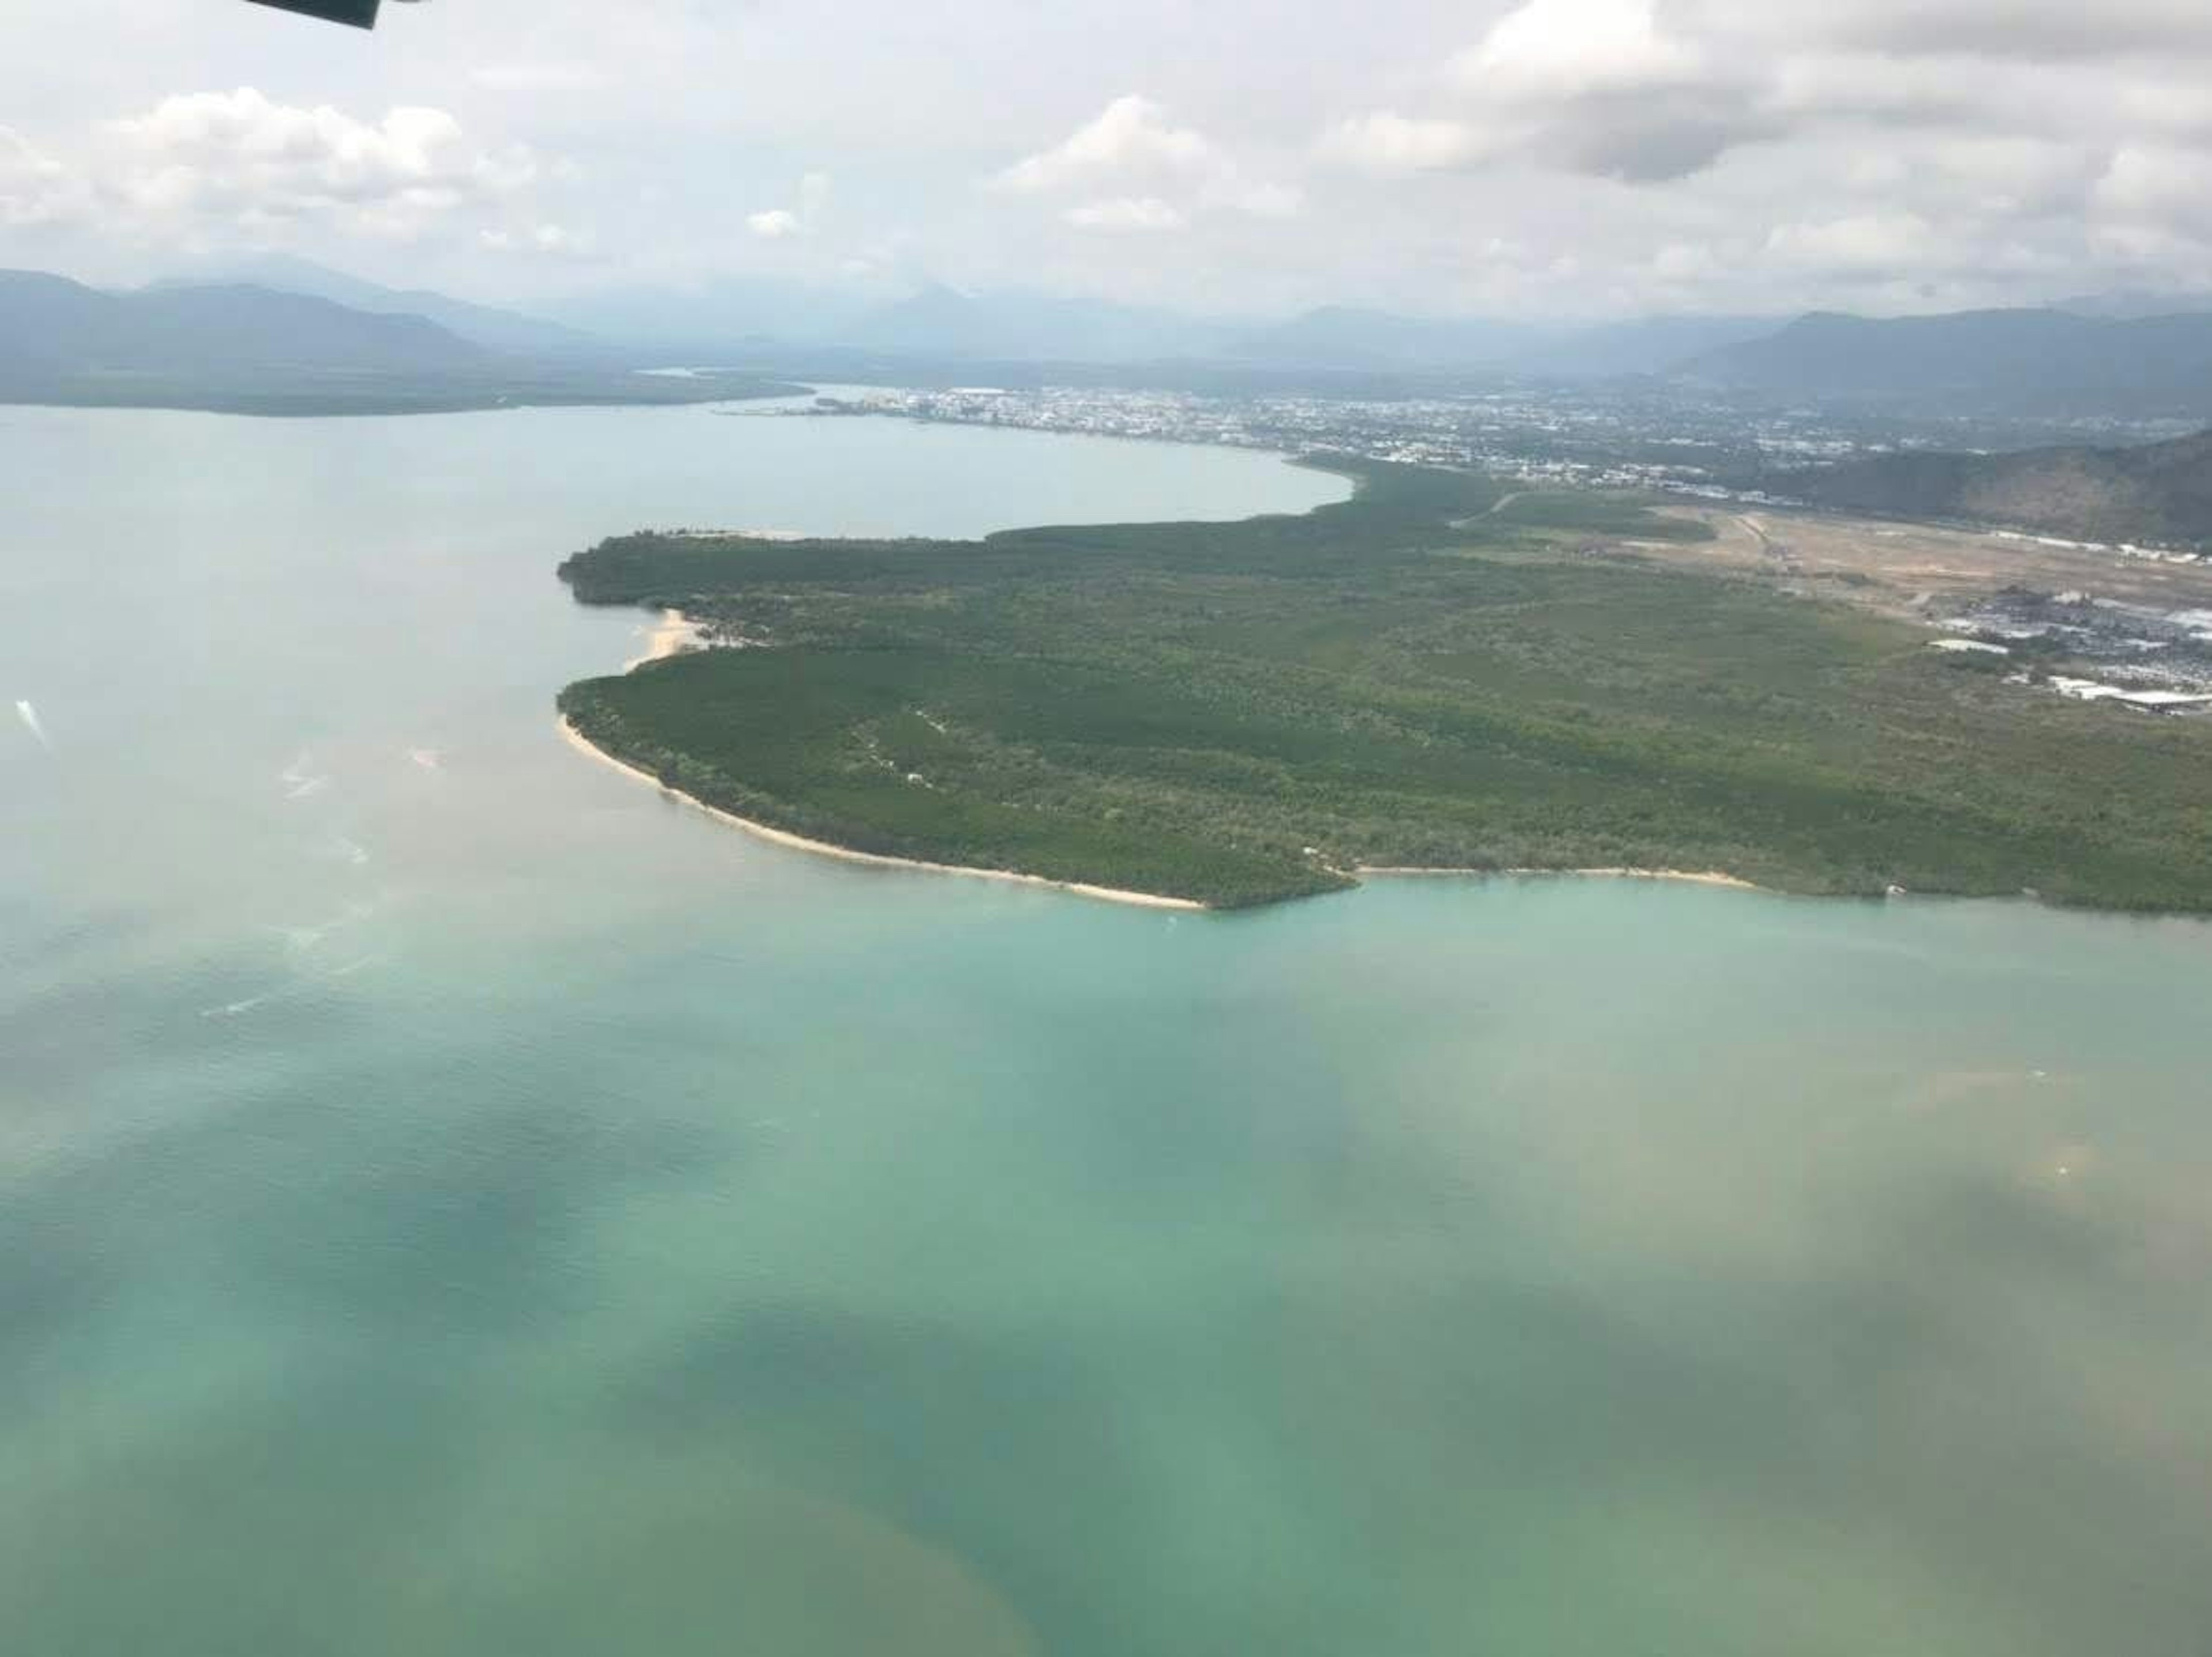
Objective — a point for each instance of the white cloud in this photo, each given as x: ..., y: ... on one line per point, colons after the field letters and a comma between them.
x: 1685, y: 262
x: 34, y: 188
x: 1590, y: 86
x: 1553, y: 48
x: 2144, y: 179
x: 1261, y: 200
x: 783, y: 223
x: 2047, y: 31
x: 1783, y: 151
x: 2157, y: 188
x: 1125, y: 213
x: 1868, y: 86
x: 1876, y: 242
x: 2177, y: 107
x: 1387, y: 142
x: 1162, y: 175
x: 1131, y: 133
x: 238, y: 158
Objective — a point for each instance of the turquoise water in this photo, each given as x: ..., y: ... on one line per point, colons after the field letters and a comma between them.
x: 453, y: 1200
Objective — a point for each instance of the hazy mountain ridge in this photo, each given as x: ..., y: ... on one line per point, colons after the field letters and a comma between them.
x: 1350, y: 336
x: 2131, y: 304
x: 52, y: 324
x: 243, y: 349
x: 1641, y: 345
x: 937, y: 321
x: 304, y: 319
x: 494, y: 327
x: 1019, y: 326
x: 729, y: 313
x: 2159, y: 492
x: 2039, y: 358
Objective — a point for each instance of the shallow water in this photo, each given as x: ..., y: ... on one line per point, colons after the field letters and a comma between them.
x: 453, y: 1200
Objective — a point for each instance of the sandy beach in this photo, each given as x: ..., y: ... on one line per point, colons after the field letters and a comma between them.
x: 1698, y: 876
x: 577, y: 740
x: 673, y: 635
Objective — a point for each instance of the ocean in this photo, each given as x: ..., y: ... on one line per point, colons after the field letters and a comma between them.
x: 454, y: 1200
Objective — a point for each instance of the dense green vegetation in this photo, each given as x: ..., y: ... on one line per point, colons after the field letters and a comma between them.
x: 1437, y: 672
x: 2155, y: 492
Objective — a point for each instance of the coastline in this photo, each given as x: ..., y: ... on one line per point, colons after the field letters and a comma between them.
x: 784, y: 837
x: 675, y: 634
x: 1695, y: 876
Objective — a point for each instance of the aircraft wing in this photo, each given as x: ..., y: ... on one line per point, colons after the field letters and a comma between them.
x: 361, y: 14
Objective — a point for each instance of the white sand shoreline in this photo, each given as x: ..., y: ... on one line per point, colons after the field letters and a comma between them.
x: 675, y: 634
x: 1695, y: 876
x: 784, y: 837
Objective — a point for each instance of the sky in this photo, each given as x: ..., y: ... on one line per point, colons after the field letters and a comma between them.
x: 1549, y: 159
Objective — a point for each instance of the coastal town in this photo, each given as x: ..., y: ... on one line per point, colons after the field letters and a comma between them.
x: 1598, y: 438
x: 2101, y: 641
x: 1655, y: 435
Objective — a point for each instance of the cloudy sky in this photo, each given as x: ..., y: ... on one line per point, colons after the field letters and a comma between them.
x: 1555, y: 157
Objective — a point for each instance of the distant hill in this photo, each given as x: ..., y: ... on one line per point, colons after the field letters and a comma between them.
x: 944, y: 322
x: 2132, y: 304
x: 2044, y: 360
x: 487, y: 325
x: 1645, y: 345
x: 1348, y: 337
x: 2159, y: 492
x: 718, y: 315
x: 739, y: 316
x: 715, y: 317
x: 50, y: 322
x: 254, y: 350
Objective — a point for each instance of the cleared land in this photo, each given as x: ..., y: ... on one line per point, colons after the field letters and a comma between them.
x: 1909, y: 569
x: 1427, y: 676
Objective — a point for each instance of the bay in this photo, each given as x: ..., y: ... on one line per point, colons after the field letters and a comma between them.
x: 452, y: 1199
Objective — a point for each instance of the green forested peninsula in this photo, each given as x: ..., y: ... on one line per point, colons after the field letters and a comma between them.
x: 1438, y: 673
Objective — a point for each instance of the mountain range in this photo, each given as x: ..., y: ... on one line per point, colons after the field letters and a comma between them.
x: 51, y: 324
x: 1347, y: 336
x: 489, y: 326
x: 297, y: 319
x: 936, y: 321
x: 248, y: 349
x: 1344, y: 337
x: 2045, y: 360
